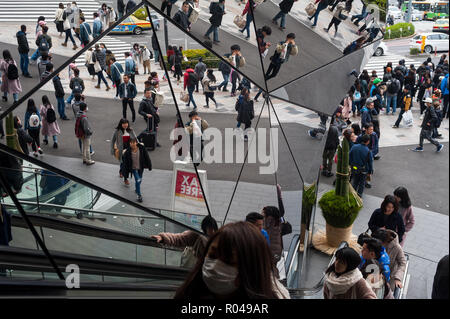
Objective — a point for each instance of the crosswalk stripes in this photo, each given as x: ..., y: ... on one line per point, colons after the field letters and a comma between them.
x: 30, y: 10
x: 117, y: 47
x: 378, y: 63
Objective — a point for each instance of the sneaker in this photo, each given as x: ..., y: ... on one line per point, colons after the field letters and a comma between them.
x: 421, y: 117
x: 274, y: 22
x: 55, y: 145
x: 27, y: 76
x: 92, y: 153
x: 65, y: 118
x: 325, y: 29
x: 368, y: 185
x: 139, y: 199
x: 439, y: 148
x: 35, y: 154
x: 324, y: 173
x: 116, y: 98
x: 418, y: 149
x: 158, y: 145
x: 40, y: 151
x: 310, y: 134
x: 90, y: 162
x: 394, y: 126
x: 439, y: 137
x: 45, y: 142
x: 5, y: 99
x: 376, y: 157
x: 206, y: 106
x: 330, y: 174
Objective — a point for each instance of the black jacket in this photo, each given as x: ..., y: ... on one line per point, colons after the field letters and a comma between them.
x: 22, y: 43
x: 130, y: 5
x: 394, y: 222
x: 286, y: 5
x: 245, y: 110
x: 24, y: 139
x: 147, y: 107
x: 440, y: 283
x: 120, y: 6
x: 332, y: 141
x: 59, y: 89
x: 182, y: 19
x: 217, y: 14
x: 144, y: 161
x: 154, y: 43
x: 430, y: 117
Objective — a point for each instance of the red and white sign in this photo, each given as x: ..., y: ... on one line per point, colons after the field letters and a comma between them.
x: 188, y: 186
x: 187, y: 195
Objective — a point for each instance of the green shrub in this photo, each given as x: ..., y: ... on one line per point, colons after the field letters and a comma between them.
x: 337, y: 210
x: 209, y: 59
x: 395, y: 30
x: 308, y: 201
x: 141, y: 13
x: 414, y: 51
x: 382, y: 5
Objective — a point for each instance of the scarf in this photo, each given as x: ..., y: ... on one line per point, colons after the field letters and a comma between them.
x: 340, y: 285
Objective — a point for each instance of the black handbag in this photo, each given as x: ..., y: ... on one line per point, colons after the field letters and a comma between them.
x: 363, y: 236
x: 286, y: 227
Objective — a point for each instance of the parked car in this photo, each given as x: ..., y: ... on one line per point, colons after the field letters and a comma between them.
x: 132, y: 25
x: 441, y: 25
x: 416, y: 15
x: 438, y: 41
x: 395, y: 12
x: 381, y: 49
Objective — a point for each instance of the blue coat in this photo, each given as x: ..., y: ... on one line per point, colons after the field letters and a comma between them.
x: 116, y: 71
x: 361, y: 157
x: 85, y: 30
x: 131, y: 90
x: 444, y: 89
x: 366, y: 116
x: 384, y: 261
x: 373, y: 145
x: 96, y: 28
x: 130, y: 66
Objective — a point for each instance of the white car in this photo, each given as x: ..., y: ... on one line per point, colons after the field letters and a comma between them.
x: 381, y: 49
x: 433, y: 41
x: 395, y: 12
x: 416, y: 15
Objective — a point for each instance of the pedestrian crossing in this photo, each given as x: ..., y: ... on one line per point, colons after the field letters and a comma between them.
x: 378, y: 63
x: 117, y: 47
x: 30, y: 10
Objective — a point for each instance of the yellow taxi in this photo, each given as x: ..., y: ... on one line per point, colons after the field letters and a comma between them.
x: 132, y: 25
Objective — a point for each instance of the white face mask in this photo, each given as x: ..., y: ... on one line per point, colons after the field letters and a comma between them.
x: 219, y: 277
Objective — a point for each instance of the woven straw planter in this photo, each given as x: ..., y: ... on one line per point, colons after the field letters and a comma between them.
x: 328, y: 240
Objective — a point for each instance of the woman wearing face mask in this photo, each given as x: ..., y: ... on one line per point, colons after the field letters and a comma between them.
x: 343, y: 279
x: 236, y: 265
x: 194, y: 243
x: 388, y: 217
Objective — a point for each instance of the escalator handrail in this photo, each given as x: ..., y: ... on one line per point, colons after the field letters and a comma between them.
x: 398, y: 292
x: 87, y: 230
x: 317, y: 287
x: 35, y: 260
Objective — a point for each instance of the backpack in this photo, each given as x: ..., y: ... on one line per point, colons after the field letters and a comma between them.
x: 12, y: 72
x: 77, y: 88
x: 192, y: 79
x: 51, y: 116
x: 211, y: 7
x: 34, y: 121
x: 79, y: 132
x: 393, y: 87
x: 43, y: 44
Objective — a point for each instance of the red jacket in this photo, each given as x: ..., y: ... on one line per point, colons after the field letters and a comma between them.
x: 247, y: 8
x: 186, y: 77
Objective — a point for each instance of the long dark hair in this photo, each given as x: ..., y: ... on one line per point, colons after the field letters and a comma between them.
x: 402, y: 193
x: 31, y: 107
x: 274, y: 212
x: 348, y: 256
x: 254, y: 262
x: 119, y: 126
x: 7, y: 55
x: 210, y: 75
x: 46, y: 101
x: 356, y: 129
x: 389, y: 199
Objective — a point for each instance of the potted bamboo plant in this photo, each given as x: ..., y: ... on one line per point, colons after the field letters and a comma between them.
x: 340, y: 207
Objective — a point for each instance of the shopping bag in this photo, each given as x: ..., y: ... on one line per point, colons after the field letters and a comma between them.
x: 184, y: 97
x: 239, y: 21
x: 310, y: 9
x: 194, y: 15
x: 407, y: 118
